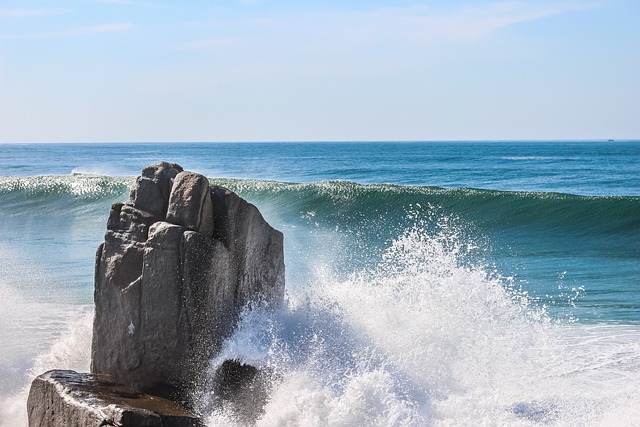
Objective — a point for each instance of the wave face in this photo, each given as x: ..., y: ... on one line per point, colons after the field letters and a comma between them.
x: 348, y: 201
x: 60, y: 194
x: 576, y: 254
x: 407, y: 305
x: 344, y: 199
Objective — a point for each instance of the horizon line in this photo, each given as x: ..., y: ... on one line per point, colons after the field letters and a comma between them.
x: 332, y: 141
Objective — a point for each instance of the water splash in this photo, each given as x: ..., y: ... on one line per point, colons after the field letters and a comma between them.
x: 430, y: 337
x: 70, y: 347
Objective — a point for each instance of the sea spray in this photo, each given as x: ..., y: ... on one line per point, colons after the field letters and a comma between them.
x: 427, y: 337
x: 71, y: 350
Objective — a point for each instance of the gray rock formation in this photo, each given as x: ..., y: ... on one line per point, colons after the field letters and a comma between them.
x: 179, y: 262
x: 67, y: 398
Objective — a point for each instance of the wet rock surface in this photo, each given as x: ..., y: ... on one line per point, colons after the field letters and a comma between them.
x: 68, y: 398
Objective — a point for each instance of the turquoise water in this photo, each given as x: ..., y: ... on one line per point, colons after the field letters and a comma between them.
x: 527, y: 247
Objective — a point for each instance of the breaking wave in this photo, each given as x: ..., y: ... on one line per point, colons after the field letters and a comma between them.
x: 425, y: 338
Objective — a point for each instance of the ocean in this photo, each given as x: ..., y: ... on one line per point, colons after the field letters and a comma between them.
x: 428, y: 283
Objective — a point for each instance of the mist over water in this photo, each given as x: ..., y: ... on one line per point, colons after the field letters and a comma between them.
x: 50, y: 337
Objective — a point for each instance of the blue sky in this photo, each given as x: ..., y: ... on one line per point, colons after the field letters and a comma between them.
x: 262, y: 70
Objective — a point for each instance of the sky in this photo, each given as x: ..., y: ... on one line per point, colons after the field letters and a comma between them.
x: 284, y: 70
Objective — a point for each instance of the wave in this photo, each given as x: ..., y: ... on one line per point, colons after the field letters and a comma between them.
x: 344, y: 202
x: 60, y: 194
x: 491, y: 208
x: 81, y: 185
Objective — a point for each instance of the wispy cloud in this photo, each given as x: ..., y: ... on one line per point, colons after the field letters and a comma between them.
x: 130, y: 3
x: 469, y: 23
x: 374, y: 42
x: 95, y: 29
x: 437, y: 25
x: 118, y: 1
x: 344, y: 29
x: 216, y: 42
x: 18, y: 13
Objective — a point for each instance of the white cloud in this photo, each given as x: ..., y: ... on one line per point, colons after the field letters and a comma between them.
x: 95, y: 29
x: 429, y: 25
x: 216, y: 42
x: 129, y: 2
x: 18, y: 13
x: 338, y: 42
x: 414, y: 24
x: 469, y: 23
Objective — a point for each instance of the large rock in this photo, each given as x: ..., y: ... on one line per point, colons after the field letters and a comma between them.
x: 67, y: 398
x: 179, y: 262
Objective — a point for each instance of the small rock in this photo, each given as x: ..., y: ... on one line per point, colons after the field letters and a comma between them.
x: 66, y: 398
